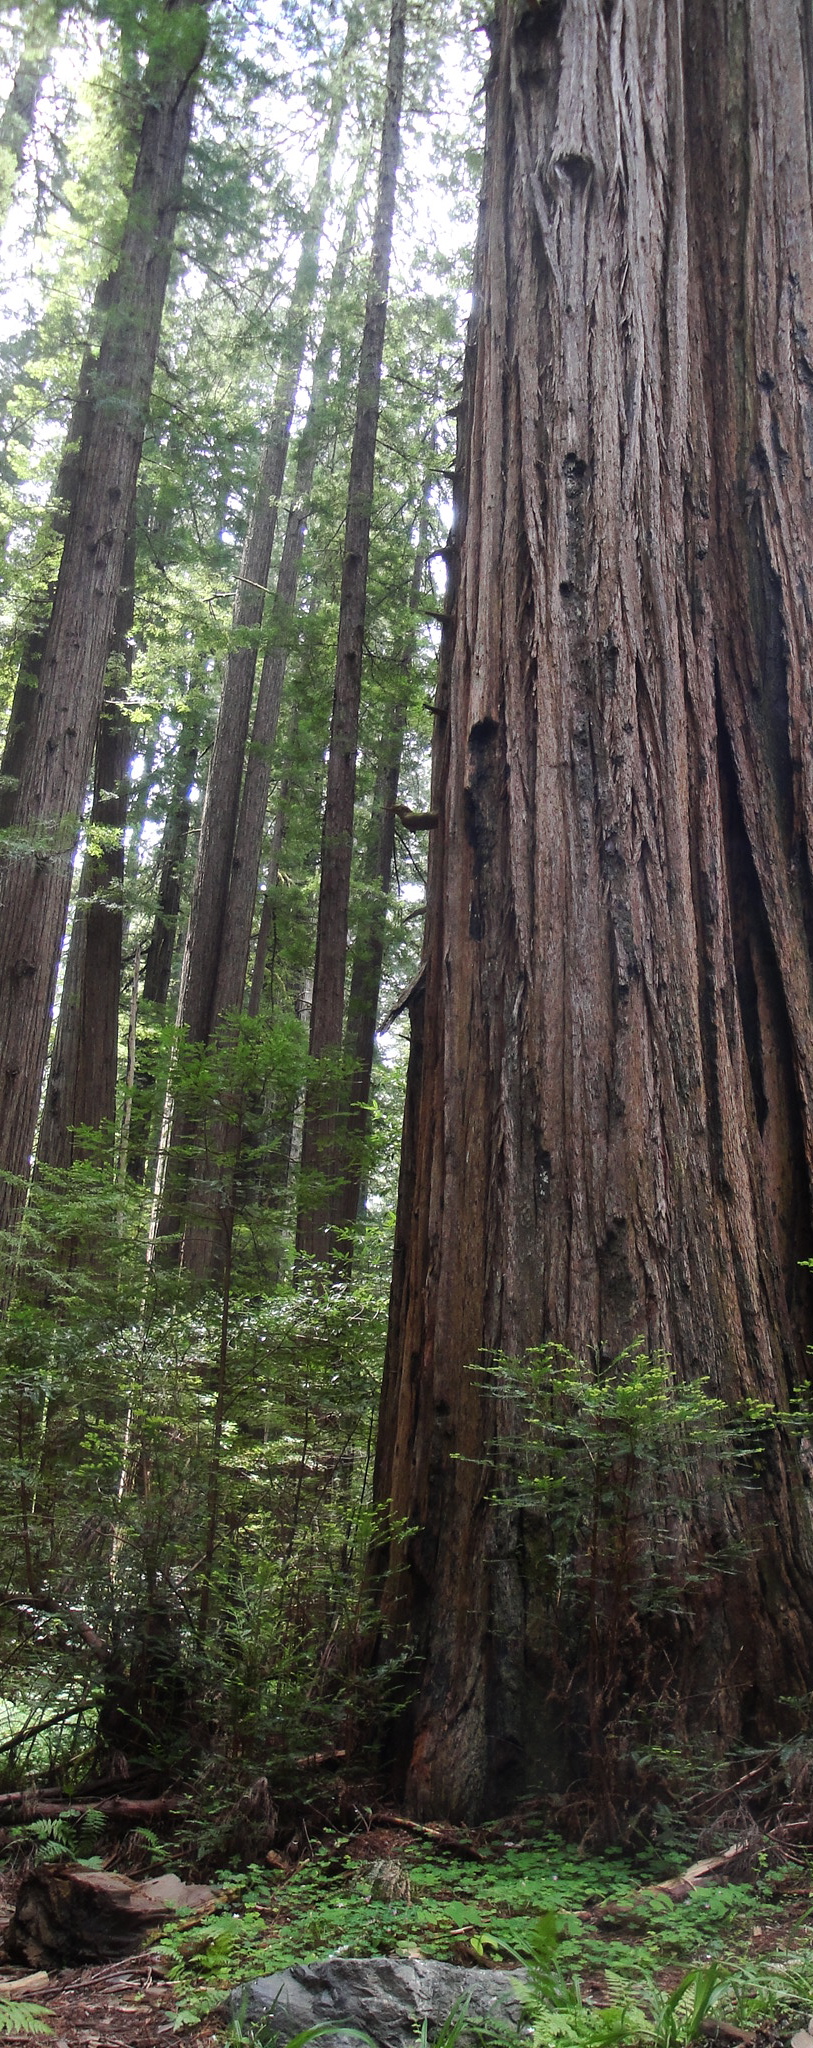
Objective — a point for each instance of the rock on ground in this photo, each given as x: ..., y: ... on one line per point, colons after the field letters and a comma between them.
x: 387, y: 1997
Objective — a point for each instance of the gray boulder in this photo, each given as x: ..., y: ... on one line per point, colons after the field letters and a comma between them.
x: 387, y: 1997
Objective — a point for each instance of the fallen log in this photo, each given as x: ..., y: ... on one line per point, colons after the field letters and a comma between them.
x: 41, y: 1807
x: 65, y: 1915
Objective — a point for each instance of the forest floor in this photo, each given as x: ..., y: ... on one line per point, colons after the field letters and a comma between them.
x: 611, y: 1937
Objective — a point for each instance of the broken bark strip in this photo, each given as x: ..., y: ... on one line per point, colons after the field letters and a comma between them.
x: 327, y: 1007
x: 36, y: 883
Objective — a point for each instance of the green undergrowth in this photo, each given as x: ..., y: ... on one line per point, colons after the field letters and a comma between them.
x: 611, y: 1959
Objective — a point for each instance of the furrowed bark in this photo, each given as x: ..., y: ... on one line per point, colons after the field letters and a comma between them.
x: 327, y: 1009
x: 35, y: 881
x: 81, y: 1087
x: 23, y: 713
x: 610, y: 1108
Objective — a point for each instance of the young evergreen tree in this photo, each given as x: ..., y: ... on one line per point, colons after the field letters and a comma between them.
x: 35, y: 875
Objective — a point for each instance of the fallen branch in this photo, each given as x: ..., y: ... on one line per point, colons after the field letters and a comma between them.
x: 42, y: 1604
x: 679, y: 1888
x: 33, y: 1729
x: 321, y: 1760
x: 116, y: 1808
x: 440, y: 1832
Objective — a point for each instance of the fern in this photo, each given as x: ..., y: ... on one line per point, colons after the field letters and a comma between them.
x: 19, y: 2017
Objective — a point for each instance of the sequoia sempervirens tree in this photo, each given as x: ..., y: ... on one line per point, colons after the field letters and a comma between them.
x: 609, y: 1123
x: 35, y: 872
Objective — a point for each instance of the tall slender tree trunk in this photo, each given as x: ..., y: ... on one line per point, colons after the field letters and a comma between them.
x: 368, y: 950
x: 203, y: 1242
x: 83, y: 1072
x: 17, y: 116
x: 53, y: 778
x: 327, y: 1009
x: 609, y: 1128
x: 23, y: 713
x: 232, y: 964
x: 222, y: 799
x: 161, y: 951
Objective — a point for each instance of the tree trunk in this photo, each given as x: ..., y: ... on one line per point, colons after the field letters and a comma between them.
x: 609, y: 1127
x: 327, y: 1009
x: 53, y: 778
x: 23, y: 713
x: 221, y: 802
x: 203, y: 1242
x: 162, y: 948
x: 368, y: 951
x: 235, y: 947
x: 82, y: 1077
x: 17, y: 117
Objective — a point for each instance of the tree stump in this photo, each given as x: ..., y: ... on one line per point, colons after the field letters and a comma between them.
x: 66, y: 1916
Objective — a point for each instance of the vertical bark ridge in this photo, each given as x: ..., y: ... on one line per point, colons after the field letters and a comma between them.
x: 612, y: 1113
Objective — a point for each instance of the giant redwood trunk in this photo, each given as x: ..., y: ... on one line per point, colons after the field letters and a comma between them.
x: 35, y: 874
x: 610, y: 1110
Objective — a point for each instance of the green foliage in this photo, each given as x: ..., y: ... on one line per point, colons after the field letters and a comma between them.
x: 610, y: 1961
x: 620, y: 1470
x: 69, y: 1836
x: 22, y: 2016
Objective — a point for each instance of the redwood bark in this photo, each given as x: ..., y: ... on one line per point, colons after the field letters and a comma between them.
x: 83, y: 1072
x: 23, y: 713
x: 327, y: 1008
x: 53, y: 778
x: 610, y: 1108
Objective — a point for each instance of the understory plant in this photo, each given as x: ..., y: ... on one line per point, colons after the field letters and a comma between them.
x: 189, y: 1474
x: 621, y: 1474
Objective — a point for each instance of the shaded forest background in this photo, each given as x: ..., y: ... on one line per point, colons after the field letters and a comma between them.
x: 197, y: 1271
